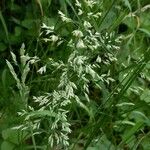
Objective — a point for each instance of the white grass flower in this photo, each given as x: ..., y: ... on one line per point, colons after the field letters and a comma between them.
x: 63, y: 17
x: 60, y: 42
x: 97, y: 15
x: 77, y: 33
x: 34, y: 59
x: 116, y: 47
x: 90, y: 14
x: 46, y: 40
x: 44, y: 26
x: 14, y: 58
x: 80, y: 12
x: 70, y: 43
x: 90, y: 3
x: 98, y: 60
x: 48, y: 29
x: 22, y: 49
x: 54, y: 38
x: 78, y: 3
x: 80, y: 44
x: 87, y: 25
x: 42, y: 70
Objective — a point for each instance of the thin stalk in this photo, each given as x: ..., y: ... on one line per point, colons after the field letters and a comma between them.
x: 5, y: 28
x: 32, y: 136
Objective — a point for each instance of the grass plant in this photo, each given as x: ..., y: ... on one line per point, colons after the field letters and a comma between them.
x: 81, y: 77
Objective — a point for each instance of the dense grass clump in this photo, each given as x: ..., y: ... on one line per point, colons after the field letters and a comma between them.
x: 81, y: 77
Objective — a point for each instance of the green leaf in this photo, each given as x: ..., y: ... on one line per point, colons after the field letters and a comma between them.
x: 146, y: 96
x: 27, y: 23
x: 126, y: 2
x: 2, y: 47
x: 18, y: 31
x: 7, y: 146
x: 111, y: 16
x: 145, y: 31
x: 132, y: 131
x: 49, y: 21
x: 103, y: 144
x: 146, y: 142
x: 4, y: 25
x: 92, y: 148
x: 138, y: 116
x: 13, y: 136
x: 83, y: 106
x: 45, y: 3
